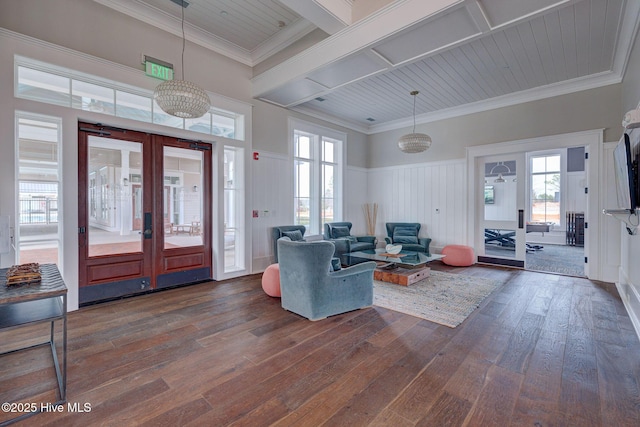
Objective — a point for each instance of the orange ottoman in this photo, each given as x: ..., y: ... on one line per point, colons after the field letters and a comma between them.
x: 458, y: 255
x: 271, y: 280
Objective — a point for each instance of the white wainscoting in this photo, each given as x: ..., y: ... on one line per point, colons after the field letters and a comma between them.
x: 433, y: 194
x: 272, y: 190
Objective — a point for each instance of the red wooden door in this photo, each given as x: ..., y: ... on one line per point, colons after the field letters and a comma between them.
x: 125, y: 246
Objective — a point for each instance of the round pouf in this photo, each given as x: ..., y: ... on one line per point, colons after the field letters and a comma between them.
x: 271, y: 280
x: 458, y: 255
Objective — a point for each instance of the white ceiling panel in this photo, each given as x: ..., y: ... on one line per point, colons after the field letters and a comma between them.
x: 291, y: 93
x: 428, y: 37
x: 244, y: 23
x: 501, y: 12
x: 348, y: 70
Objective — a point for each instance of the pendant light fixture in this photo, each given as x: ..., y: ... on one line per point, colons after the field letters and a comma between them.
x: 500, y: 179
x: 181, y: 98
x: 414, y: 142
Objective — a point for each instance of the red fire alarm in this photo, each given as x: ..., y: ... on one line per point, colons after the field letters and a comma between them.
x: 256, y: 155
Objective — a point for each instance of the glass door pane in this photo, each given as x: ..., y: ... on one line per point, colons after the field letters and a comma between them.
x: 113, y: 218
x: 501, y: 193
x: 183, y: 197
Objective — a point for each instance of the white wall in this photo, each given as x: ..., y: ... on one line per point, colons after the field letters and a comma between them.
x: 433, y: 194
x: 629, y: 274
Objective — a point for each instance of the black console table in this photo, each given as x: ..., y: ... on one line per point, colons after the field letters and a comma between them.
x: 37, y: 303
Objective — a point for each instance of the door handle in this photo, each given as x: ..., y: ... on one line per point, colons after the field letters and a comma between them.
x: 520, y: 218
x: 148, y: 229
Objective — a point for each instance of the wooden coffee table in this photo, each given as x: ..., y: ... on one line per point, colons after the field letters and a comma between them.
x: 404, y: 268
x: 401, y: 276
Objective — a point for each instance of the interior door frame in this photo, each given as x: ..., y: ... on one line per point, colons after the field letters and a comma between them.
x: 592, y: 141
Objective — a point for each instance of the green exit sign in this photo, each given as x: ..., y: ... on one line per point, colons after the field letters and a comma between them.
x: 158, y: 69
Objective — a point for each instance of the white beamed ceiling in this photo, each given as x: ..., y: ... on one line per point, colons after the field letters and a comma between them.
x: 463, y: 56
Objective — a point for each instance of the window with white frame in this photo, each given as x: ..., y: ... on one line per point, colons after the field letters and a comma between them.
x: 545, y: 186
x: 317, y: 161
x: 38, y: 174
x: 233, y: 209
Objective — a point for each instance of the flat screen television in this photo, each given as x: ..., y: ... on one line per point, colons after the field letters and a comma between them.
x: 625, y: 174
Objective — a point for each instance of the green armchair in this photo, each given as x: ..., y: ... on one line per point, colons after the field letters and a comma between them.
x: 340, y: 234
x: 311, y: 289
x: 406, y: 234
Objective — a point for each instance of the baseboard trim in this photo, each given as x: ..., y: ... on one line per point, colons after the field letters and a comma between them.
x: 630, y: 298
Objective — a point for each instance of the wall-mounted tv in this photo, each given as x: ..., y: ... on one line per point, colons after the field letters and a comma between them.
x: 489, y: 195
x: 625, y: 172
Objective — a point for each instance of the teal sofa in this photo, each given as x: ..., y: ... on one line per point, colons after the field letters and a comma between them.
x: 311, y: 289
x: 406, y: 234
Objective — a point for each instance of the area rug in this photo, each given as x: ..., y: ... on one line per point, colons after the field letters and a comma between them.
x: 442, y: 298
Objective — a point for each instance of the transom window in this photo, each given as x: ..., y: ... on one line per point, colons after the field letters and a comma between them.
x: 46, y: 83
x: 317, y: 154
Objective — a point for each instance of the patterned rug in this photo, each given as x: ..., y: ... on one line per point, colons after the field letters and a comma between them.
x: 442, y: 298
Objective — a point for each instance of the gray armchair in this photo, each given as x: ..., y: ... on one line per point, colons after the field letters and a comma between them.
x: 309, y: 287
x: 285, y: 230
x: 340, y: 234
x: 406, y: 234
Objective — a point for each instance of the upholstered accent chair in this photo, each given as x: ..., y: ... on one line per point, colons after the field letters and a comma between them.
x: 340, y: 234
x: 290, y: 231
x: 311, y: 289
x: 406, y: 234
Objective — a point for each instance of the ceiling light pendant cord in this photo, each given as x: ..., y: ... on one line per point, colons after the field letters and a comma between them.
x: 414, y: 142
x: 184, y: 42
x: 414, y: 112
x: 181, y: 98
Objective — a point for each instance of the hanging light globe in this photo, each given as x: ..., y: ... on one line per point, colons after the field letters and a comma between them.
x: 182, y: 99
x: 414, y: 142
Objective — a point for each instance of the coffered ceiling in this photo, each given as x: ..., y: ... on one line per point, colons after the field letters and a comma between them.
x: 462, y: 55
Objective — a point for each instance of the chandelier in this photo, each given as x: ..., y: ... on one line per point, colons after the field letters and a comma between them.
x: 181, y: 98
x: 414, y: 142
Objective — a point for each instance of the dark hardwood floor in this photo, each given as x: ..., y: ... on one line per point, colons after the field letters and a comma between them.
x: 542, y: 350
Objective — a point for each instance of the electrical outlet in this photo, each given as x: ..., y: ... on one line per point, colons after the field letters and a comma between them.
x: 437, y: 210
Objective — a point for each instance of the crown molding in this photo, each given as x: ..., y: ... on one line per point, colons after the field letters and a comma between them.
x: 562, y: 88
x: 167, y: 22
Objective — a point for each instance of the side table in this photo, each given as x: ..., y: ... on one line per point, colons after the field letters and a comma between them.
x: 37, y: 303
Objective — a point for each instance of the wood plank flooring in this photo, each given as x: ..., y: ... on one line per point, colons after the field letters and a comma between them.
x: 542, y: 350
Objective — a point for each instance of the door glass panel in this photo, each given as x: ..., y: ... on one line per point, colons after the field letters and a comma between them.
x: 183, y: 199
x: 111, y: 199
x: 498, y: 242
x: 500, y: 191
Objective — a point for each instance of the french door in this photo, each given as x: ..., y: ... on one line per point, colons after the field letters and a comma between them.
x: 500, y: 196
x: 144, y: 209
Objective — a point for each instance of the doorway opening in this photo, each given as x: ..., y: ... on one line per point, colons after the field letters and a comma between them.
x: 557, y: 203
